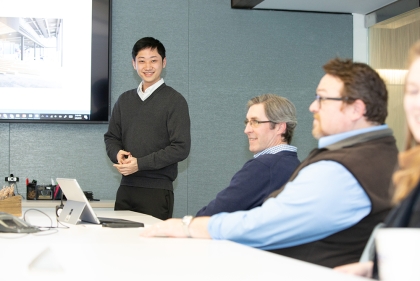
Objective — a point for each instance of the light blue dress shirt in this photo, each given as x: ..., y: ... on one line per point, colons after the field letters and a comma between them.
x: 323, y: 199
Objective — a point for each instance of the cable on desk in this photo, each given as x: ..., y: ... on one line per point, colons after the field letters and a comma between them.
x: 47, y: 227
x: 59, y: 222
x: 45, y: 232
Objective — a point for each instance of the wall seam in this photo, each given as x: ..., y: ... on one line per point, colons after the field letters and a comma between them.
x: 188, y: 89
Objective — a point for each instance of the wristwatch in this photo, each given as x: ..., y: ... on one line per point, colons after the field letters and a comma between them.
x: 186, y: 220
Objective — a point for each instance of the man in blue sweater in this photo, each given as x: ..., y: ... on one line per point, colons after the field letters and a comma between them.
x: 148, y: 134
x: 269, y: 125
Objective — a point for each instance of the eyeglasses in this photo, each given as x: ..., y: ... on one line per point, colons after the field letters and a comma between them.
x: 319, y: 99
x: 255, y: 123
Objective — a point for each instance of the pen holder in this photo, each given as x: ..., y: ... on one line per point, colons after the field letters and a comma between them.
x: 31, y: 191
x: 12, y: 205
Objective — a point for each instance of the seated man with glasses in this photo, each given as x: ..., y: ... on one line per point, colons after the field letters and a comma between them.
x: 333, y: 200
x: 269, y: 125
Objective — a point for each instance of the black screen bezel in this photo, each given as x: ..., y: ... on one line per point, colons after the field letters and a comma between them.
x: 100, y: 69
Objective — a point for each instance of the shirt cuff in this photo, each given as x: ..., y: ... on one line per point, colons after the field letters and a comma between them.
x: 215, y: 224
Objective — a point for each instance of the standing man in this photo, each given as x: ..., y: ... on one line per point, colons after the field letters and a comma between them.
x: 148, y: 134
x: 337, y: 195
x: 269, y: 126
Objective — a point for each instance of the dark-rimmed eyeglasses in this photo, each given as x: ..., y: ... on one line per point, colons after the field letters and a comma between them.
x: 256, y: 123
x: 319, y: 99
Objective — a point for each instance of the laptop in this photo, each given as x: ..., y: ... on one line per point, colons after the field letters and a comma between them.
x: 78, y: 207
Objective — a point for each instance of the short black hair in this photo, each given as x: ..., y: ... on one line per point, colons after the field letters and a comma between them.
x: 148, y: 42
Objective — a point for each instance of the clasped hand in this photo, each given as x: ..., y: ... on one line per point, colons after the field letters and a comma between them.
x: 127, y: 164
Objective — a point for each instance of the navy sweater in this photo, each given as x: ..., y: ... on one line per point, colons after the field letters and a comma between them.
x: 253, y: 183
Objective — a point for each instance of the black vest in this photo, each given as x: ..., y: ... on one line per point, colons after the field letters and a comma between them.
x: 372, y: 159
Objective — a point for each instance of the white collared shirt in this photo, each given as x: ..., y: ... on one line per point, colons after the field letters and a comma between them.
x: 149, y: 91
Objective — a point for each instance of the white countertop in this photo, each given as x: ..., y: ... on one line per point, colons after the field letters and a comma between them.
x: 53, y: 203
x: 88, y: 251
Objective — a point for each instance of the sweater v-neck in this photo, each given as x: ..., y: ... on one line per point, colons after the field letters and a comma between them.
x: 158, y: 89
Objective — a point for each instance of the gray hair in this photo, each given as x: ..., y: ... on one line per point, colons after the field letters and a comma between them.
x: 278, y: 109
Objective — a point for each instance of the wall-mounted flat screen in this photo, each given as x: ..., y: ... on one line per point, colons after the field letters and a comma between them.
x: 54, y: 61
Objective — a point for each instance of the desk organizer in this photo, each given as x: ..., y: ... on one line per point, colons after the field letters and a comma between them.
x: 42, y: 192
x: 12, y: 205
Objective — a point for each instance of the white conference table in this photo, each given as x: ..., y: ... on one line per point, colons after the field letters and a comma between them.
x: 91, y: 251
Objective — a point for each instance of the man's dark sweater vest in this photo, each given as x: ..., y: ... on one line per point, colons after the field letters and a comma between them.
x: 371, y: 158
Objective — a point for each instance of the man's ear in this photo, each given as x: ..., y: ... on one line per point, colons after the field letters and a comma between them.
x: 134, y: 64
x: 164, y: 63
x: 281, y: 127
x: 358, y: 109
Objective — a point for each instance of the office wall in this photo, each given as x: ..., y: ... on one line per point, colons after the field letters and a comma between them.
x: 218, y: 58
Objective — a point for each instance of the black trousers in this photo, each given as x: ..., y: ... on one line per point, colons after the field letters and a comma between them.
x: 158, y: 203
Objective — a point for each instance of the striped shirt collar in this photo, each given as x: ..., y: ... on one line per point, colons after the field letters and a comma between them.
x: 276, y: 149
x: 149, y: 91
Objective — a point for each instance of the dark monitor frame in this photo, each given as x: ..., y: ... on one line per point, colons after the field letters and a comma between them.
x: 100, y: 70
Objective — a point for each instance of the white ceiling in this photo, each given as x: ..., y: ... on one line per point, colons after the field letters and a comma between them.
x: 336, y: 6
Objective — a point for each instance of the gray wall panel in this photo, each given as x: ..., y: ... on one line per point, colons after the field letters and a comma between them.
x: 218, y: 58
x: 248, y: 53
x: 45, y: 151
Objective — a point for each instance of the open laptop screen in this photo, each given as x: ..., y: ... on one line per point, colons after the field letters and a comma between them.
x: 78, y: 207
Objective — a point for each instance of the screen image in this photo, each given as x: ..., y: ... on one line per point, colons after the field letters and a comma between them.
x: 54, y: 61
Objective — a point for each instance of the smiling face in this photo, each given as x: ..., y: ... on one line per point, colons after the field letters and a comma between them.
x: 412, y: 99
x: 149, y: 65
x: 263, y: 135
x: 329, y: 115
